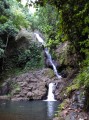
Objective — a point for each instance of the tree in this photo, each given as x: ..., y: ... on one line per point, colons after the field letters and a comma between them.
x: 74, y: 20
x: 12, y: 17
x: 46, y: 20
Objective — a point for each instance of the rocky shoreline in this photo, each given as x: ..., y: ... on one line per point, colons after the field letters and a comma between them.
x: 30, y: 86
x: 34, y: 86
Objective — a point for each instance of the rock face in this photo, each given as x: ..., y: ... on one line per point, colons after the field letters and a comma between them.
x: 30, y: 86
x: 73, y: 108
x: 24, y: 39
x: 66, y: 55
x: 47, y: 61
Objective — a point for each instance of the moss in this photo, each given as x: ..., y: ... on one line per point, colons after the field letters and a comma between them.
x: 72, y: 88
x: 62, y: 105
x: 82, y: 78
x: 15, y: 88
x: 62, y: 52
x: 63, y: 59
x: 48, y: 72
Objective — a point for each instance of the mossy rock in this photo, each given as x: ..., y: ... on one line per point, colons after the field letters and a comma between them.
x: 48, y: 72
x: 66, y: 55
x: 62, y: 52
x: 72, y: 88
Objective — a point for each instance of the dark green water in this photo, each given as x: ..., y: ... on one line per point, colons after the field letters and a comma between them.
x: 34, y: 110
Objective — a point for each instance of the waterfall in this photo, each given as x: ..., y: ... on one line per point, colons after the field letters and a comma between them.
x: 50, y: 60
x: 48, y: 55
x: 40, y: 39
x: 50, y: 96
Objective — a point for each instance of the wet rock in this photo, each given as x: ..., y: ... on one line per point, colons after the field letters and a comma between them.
x: 64, y: 73
x: 49, y: 65
x: 58, y: 91
x: 78, y: 99
x: 5, y: 88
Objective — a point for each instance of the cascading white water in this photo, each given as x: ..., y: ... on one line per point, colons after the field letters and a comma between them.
x: 50, y: 60
x: 40, y: 39
x: 48, y: 55
x: 50, y: 96
x: 51, y: 85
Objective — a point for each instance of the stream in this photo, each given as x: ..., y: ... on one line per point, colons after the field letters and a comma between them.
x: 31, y: 110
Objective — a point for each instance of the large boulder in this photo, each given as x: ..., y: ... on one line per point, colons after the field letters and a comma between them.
x: 31, y: 85
x: 66, y: 55
x: 24, y: 39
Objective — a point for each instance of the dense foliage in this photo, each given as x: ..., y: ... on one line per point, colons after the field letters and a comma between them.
x: 74, y: 20
x: 46, y: 20
x: 13, y: 17
x: 31, y: 57
x: 74, y: 27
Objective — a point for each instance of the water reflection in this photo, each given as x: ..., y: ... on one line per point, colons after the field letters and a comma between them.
x: 50, y: 108
x: 35, y: 110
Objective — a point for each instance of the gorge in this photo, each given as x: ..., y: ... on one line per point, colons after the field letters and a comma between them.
x: 44, y: 75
